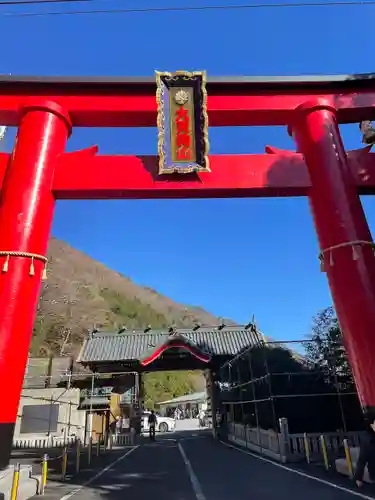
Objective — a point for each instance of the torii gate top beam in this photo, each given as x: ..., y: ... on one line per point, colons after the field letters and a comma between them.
x: 232, y: 101
x: 131, y: 102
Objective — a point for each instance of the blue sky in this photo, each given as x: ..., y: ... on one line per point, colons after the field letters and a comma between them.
x: 232, y: 257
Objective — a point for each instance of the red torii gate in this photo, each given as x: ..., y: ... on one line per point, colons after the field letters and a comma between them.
x: 39, y: 171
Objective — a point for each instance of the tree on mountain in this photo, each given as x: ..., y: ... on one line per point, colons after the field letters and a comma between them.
x: 326, y: 351
x: 162, y: 386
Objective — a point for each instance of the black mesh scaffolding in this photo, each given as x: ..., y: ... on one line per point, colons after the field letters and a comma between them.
x: 274, y: 380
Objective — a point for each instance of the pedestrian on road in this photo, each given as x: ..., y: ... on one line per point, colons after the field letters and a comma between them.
x: 222, y: 425
x: 118, y: 425
x: 366, y: 453
x: 202, y: 416
x: 152, y: 421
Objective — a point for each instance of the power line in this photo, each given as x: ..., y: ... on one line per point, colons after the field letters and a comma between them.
x: 169, y: 9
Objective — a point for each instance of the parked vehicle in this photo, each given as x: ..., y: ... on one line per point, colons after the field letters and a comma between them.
x: 164, y: 424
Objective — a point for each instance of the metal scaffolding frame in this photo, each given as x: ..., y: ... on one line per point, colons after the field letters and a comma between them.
x: 257, y: 388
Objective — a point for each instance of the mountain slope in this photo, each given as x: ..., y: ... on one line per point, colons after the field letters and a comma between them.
x: 81, y: 293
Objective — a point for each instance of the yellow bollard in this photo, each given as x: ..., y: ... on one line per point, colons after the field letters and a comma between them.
x: 64, y: 463
x: 89, y: 451
x: 324, y: 452
x: 307, y: 447
x: 16, y: 479
x: 78, y: 455
x: 44, y: 474
x: 348, y: 457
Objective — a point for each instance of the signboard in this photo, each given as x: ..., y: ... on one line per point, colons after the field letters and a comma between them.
x: 38, y: 419
x: 97, y: 392
x: 182, y: 122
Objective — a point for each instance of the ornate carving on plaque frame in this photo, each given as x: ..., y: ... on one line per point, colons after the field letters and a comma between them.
x: 182, y: 122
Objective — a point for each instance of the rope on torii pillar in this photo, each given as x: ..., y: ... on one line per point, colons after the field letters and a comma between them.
x: 352, y: 244
x: 33, y: 256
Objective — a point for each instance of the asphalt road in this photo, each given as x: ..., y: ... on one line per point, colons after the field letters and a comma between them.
x: 195, y: 467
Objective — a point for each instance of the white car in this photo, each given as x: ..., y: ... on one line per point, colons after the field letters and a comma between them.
x: 164, y: 424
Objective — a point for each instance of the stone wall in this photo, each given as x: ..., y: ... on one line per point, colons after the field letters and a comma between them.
x: 60, y: 420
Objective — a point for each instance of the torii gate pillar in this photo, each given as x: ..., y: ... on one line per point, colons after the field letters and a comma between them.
x: 344, y: 236
x: 26, y: 211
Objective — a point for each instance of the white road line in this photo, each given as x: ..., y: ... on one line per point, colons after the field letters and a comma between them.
x: 103, y: 471
x: 299, y: 473
x: 193, y: 478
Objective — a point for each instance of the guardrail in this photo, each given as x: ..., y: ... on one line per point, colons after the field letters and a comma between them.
x: 265, y: 442
x: 286, y: 447
x: 333, y: 440
x: 47, y: 442
x: 71, y: 458
x: 127, y: 439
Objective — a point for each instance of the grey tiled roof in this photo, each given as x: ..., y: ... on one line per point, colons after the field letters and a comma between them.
x: 228, y: 341
x: 188, y: 398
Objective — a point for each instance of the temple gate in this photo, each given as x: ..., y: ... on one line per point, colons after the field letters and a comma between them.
x: 39, y: 171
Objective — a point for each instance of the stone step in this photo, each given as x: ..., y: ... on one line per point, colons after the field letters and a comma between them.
x: 28, y: 485
x: 341, y: 464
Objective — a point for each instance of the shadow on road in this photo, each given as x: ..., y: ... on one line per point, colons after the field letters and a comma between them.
x: 159, y: 470
x: 152, y: 469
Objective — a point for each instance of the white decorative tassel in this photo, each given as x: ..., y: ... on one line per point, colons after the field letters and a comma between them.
x: 322, y: 268
x: 6, y: 265
x: 331, y: 259
x: 355, y: 253
x: 32, y: 269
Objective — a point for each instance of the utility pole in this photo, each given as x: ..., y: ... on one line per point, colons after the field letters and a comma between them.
x: 68, y: 330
